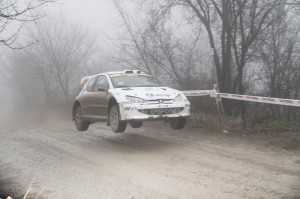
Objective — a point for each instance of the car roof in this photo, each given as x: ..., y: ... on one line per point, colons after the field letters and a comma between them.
x: 87, y: 78
x: 126, y: 72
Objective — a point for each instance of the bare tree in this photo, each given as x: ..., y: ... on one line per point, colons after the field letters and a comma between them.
x: 254, y: 18
x: 20, y: 80
x: 17, y: 13
x: 232, y: 27
x: 61, y: 53
x: 154, y: 46
x: 279, y: 54
x: 47, y: 73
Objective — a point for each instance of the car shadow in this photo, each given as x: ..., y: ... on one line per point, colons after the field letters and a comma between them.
x: 130, y: 142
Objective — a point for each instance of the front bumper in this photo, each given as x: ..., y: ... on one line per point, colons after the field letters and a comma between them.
x: 130, y: 111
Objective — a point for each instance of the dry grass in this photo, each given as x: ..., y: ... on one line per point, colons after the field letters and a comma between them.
x: 215, y: 123
x: 277, y: 134
x: 27, y: 192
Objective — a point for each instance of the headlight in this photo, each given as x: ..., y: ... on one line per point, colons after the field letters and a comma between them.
x: 178, y: 98
x: 135, y: 100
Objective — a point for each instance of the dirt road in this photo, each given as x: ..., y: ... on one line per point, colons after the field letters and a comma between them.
x: 151, y: 162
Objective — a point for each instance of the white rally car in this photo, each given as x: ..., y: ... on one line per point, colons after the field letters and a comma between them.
x: 129, y: 96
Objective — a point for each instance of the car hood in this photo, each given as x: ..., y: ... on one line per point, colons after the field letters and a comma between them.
x: 146, y: 93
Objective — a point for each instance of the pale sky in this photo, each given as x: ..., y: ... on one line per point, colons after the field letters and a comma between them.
x: 98, y: 15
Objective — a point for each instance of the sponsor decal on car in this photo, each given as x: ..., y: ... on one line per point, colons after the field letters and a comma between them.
x: 162, y: 95
x: 157, y: 95
x: 160, y: 111
x: 149, y: 95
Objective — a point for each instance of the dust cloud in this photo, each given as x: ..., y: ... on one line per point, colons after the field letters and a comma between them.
x: 15, y: 114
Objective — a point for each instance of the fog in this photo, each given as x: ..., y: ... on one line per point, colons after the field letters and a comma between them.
x: 6, y: 103
x: 169, y: 41
x: 99, y: 17
x: 202, y: 147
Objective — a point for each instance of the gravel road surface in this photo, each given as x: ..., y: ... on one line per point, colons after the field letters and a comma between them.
x: 151, y: 162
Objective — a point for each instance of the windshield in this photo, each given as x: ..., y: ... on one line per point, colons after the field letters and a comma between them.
x: 121, y: 81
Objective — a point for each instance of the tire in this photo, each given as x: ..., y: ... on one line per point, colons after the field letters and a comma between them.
x: 115, y: 120
x: 136, y: 124
x: 80, y: 125
x: 177, y: 123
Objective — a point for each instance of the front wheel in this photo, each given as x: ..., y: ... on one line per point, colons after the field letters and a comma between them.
x: 115, y: 120
x: 80, y: 125
x: 177, y: 123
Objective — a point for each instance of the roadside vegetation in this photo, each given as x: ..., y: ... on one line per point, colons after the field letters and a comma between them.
x: 277, y: 134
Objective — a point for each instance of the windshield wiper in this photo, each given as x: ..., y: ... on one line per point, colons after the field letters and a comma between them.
x: 148, y: 86
x: 122, y: 86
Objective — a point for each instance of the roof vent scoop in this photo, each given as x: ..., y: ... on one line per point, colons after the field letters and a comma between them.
x: 132, y: 71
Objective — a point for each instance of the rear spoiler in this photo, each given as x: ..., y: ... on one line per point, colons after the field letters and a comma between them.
x: 84, y: 80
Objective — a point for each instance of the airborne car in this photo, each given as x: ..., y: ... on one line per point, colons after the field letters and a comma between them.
x: 129, y: 96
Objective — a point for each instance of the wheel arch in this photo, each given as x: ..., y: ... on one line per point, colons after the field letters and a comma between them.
x: 112, y: 101
x: 75, y: 105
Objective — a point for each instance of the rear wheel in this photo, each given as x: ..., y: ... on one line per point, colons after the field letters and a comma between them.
x: 177, y: 123
x: 80, y: 125
x: 136, y: 124
x: 115, y: 120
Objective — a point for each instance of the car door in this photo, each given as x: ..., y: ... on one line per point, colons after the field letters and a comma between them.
x: 99, y: 99
x: 85, y: 98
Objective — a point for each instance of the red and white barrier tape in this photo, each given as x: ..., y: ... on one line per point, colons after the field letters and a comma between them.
x: 268, y: 100
x: 196, y: 93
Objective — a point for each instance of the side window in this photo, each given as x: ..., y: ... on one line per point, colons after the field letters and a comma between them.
x: 101, y: 84
x: 89, y: 86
